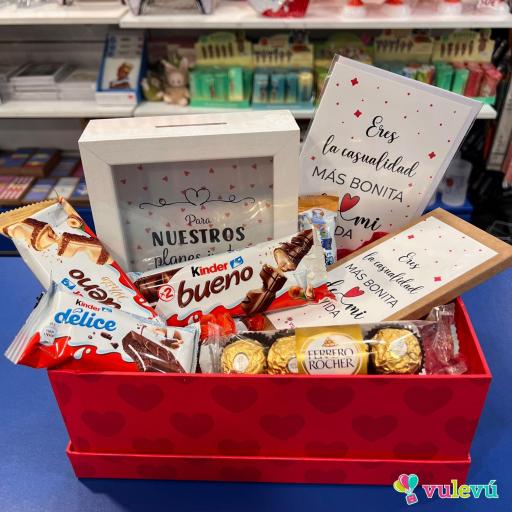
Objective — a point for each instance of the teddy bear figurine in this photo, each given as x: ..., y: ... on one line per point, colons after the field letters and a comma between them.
x: 176, y: 78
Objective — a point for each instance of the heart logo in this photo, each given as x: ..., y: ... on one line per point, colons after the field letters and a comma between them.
x: 107, y: 423
x: 234, y: 166
x: 415, y: 451
x: 330, y: 399
x: 142, y: 397
x: 319, y: 449
x: 197, y: 197
x: 244, y: 448
x: 373, y: 428
x: 461, y: 429
x: 426, y: 400
x: 227, y: 214
x: 211, y: 171
x: 254, y: 166
x: 159, y: 445
x: 123, y: 181
x: 147, y: 230
x: 165, y: 178
x: 282, y: 427
x: 252, y: 185
x: 348, y: 202
x: 353, y: 292
x: 235, y: 399
x: 186, y: 173
x: 144, y: 188
x: 192, y: 425
x: 168, y: 224
x: 231, y: 187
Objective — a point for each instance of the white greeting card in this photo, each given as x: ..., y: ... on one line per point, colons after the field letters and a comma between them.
x: 382, y: 142
x: 426, y: 264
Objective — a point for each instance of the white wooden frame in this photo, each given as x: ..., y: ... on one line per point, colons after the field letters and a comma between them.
x: 109, y: 142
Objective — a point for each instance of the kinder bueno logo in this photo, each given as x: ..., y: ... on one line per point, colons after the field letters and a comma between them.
x: 216, y: 267
x: 201, y: 271
x: 78, y: 316
x: 220, y: 283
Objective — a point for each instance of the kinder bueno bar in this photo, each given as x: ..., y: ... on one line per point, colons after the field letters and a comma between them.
x: 280, y: 274
x: 57, y: 245
x: 68, y: 331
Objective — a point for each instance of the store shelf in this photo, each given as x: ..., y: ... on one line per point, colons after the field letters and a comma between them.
x: 80, y: 13
x: 148, y: 108
x: 487, y: 112
x: 153, y: 108
x: 90, y: 109
x: 320, y: 15
x: 60, y: 109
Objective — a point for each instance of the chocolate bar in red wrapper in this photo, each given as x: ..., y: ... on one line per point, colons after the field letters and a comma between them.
x: 274, y: 275
x: 57, y: 245
x: 68, y: 331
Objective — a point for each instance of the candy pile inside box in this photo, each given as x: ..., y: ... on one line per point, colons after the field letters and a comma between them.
x: 233, y: 321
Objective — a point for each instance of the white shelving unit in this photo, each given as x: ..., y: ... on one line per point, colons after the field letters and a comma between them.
x: 94, y: 13
x: 91, y: 110
x: 147, y: 108
x: 320, y: 15
x: 62, y: 109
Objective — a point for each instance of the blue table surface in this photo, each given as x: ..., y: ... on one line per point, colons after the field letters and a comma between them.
x: 35, y: 474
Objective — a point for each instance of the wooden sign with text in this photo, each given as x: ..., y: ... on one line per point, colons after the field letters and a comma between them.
x: 431, y: 261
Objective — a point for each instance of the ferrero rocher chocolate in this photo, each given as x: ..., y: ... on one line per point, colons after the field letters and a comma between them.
x: 331, y: 350
x: 282, y: 356
x: 396, y: 351
x: 244, y: 356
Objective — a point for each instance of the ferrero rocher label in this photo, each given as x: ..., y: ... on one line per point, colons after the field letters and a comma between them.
x: 331, y: 350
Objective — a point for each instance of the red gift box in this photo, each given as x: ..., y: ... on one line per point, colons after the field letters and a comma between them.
x: 365, y: 427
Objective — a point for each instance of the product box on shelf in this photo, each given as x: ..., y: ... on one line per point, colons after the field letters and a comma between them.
x: 331, y: 429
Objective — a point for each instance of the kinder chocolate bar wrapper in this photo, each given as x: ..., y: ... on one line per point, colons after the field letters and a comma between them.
x: 279, y: 274
x: 57, y: 245
x: 68, y: 331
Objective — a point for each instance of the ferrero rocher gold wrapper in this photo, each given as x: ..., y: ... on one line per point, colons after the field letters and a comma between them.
x: 396, y: 351
x: 282, y: 356
x: 244, y: 356
x: 337, y: 350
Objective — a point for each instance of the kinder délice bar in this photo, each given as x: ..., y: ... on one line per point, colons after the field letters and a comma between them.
x: 279, y: 274
x: 68, y: 331
x: 57, y: 245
